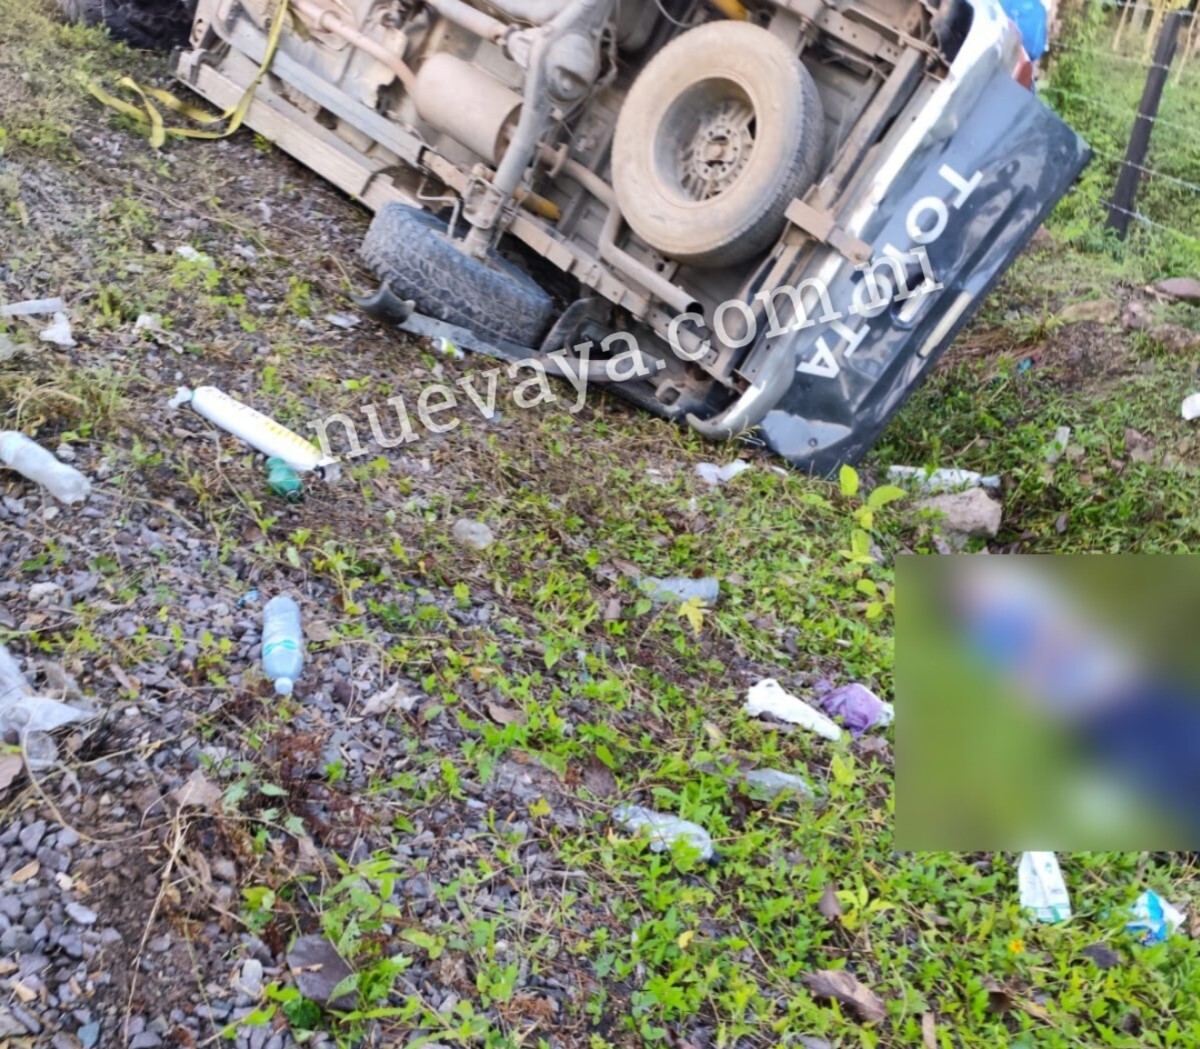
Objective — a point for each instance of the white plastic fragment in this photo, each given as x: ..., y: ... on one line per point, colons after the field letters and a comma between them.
x: 259, y: 431
x: 345, y: 321
x: 31, y: 460
x: 26, y: 718
x: 714, y: 475
x: 449, y: 349
x: 1058, y: 444
x: 769, y: 697
x: 949, y: 479
x: 1154, y: 919
x: 663, y: 830
x: 33, y: 307
x: 770, y: 783
x: 1042, y: 890
x: 190, y: 254
x: 1191, y: 407
x: 59, y: 332
x: 680, y: 588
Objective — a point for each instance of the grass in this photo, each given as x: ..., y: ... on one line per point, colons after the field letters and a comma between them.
x: 573, y: 677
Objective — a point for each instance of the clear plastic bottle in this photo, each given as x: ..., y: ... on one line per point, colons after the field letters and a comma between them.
x: 31, y: 460
x: 282, y: 643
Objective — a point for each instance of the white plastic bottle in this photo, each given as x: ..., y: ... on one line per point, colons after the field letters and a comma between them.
x: 31, y: 460
x: 282, y: 643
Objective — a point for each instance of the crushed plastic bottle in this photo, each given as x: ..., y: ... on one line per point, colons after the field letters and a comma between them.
x: 31, y: 460
x: 259, y: 431
x: 770, y: 783
x: 680, y: 589
x: 282, y: 643
x: 284, y: 481
x: 946, y: 479
x: 663, y: 830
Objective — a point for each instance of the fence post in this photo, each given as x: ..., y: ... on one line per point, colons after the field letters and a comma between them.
x: 1121, y: 208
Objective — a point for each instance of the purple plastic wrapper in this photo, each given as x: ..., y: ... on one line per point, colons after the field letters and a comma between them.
x: 858, y: 708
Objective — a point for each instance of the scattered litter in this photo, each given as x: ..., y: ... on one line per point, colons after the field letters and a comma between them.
x: 714, y: 475
x: 473, y: 534
x: 27, y: 718
x: 345, y: 321
x: 1058, y: 445
x: 680, y: 589
x: 770, y: 783
x: 1024, y: 365
x: 33, y: 308
x: 249, y: 597
x: 1041, y: 887
x: 1191, y: 407
x: 858, y: 707
x: 257, y: 430
x: 1154, y: 919
x: 449, y: 349
x: 148, y: 322
x: 282, y: 643
x: 59, y: 332
x: 946, y: 479
x: 769, y: 697
x: 31, y: 460
x: 284, y: 481
x: 663, y: 830
x: 190, y: 254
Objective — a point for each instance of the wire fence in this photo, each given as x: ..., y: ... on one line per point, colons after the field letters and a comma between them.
x: 1098, y: 66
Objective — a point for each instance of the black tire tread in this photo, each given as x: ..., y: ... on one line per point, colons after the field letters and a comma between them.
x: 156, y: 25
x: 408, y: 249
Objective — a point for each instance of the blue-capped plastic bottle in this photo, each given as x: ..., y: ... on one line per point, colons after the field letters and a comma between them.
x: 282, y: 643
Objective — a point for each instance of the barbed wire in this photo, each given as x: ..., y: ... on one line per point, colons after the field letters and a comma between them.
x: 1055, y: 48
x: 1149, y: 221
x: 1149, y: 171
x: 1116, y: 5
x: 1129, y: 113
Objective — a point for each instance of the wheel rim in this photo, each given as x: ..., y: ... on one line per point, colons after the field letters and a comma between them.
x: 706, y: 139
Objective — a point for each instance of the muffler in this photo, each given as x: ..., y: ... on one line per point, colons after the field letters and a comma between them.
x: 469, y: 105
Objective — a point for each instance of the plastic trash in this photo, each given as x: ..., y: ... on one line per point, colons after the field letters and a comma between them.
x: 449, y: 349
x: 942, y: 480
x: 1058, y: 444
x: 663, y: 830
x: 712, y: 474
x: 769, y: 697
x: 27, y: 719
x: 59, y: 332
x: 284, y: 480
x: 33, y: 307
x: 1030, y: 18
x: 1153, y: 918
x: 1042, y: 889
x: 1191, y: 407
x: 282, y: 643
x: 257, y: 430
x: 31, y: 460
x: 680, y: 588
x: 770, y: 783
x: 858, y: 707
x: 249, y: 597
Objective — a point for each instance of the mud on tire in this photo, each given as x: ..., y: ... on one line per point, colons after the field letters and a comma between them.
x: 157, y: 25
x: 409, y: 249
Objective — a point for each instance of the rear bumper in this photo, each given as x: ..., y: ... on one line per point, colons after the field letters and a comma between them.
x: 975, y: 173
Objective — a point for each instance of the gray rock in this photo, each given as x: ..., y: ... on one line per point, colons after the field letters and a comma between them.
x: 318, y: 969
x: 16, y: 940
x: 250, y: 979
x: 967, y: 514
x: 89, y: 1034
x: 81, y: 914
x: 145, y: 1040
x: 31, y: 836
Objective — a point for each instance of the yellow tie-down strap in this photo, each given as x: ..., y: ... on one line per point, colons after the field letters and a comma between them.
x: 149, y: 115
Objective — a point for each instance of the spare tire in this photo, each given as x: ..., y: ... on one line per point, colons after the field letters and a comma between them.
x: 410, y: 250
x: 720, y: 131
x: 157, y: 25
